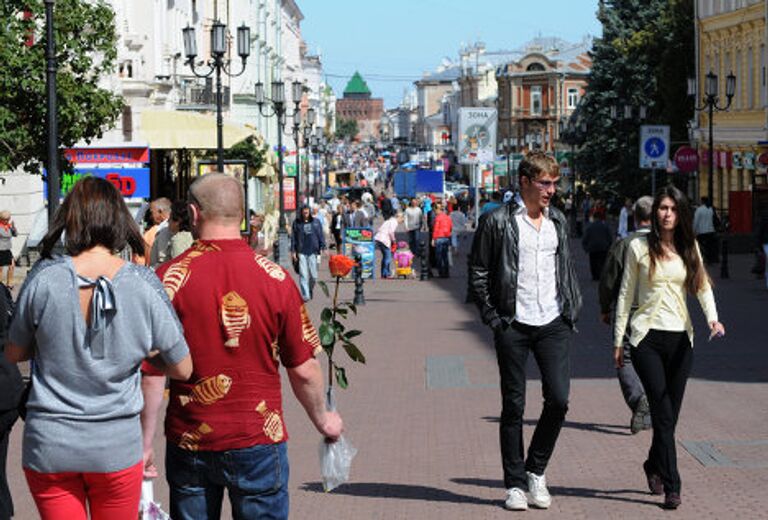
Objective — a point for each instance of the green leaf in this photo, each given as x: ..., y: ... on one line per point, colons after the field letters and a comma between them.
x: 327, y: 315
x: 339, y: 326
x: 352, y: 333
x: 327, y: 335
x: 342, y: 312
x: 352, y: 307
x: 354, y: 352
x: 324, y: 287
x: 341, y: 376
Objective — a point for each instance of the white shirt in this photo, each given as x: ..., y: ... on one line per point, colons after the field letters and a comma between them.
x: 536, y: 303
x: 703, y: 220
x: 412, y: 218
x: 623, y: 230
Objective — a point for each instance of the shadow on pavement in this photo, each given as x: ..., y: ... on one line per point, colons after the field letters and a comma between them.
x: 609, y: 429
x: 741, y: 300
x: 603, y: 494
x: 401, y: 492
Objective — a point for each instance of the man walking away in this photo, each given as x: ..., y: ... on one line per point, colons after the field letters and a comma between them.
x: 608, y: 292
x: 523, y: 280
x: 704, y: 229
x: 307, y: 242
x: 414, y: 222
x: 242, y: 317
x: 597, y: 241
x: 441, y: 240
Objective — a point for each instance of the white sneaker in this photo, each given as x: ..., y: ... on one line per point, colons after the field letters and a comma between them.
x: 516, y: 500
x: 537, y: 488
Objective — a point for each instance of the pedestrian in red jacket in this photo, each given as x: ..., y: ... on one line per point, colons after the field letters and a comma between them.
x: 441, y: 239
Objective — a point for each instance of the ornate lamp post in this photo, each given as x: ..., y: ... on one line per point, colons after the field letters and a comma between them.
x: 276, y: 107
x: 302, y: 129
x: 218, y: 64
x: 319, y: 147
x: 54, y: 182
x: 710, y: 103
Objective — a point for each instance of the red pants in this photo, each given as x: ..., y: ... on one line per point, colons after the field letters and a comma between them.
x: 109, y: 496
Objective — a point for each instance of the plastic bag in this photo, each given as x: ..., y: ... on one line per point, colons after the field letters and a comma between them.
x: 148, y: 508
x: 335, y: 458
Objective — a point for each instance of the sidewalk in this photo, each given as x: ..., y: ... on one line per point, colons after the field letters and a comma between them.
x: 424, y: 411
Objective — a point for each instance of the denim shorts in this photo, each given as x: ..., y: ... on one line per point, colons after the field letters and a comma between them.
x: 256, y: 479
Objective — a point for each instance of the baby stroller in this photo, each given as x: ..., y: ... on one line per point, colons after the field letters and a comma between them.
x: 403, y: 259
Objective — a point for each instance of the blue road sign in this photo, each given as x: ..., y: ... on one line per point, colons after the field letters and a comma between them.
x: 654, y: 147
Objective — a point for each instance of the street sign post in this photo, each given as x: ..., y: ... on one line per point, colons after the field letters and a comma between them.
x: 654, y: 149
x: 477, y: 143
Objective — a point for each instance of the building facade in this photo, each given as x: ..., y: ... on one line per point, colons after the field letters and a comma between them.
x: 357, y: 104
x: 731, y: 38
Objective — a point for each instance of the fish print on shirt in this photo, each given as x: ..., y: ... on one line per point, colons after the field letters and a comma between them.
x: 208, y: 390
x: 273, y: 426
x: 191, y: 440
x: 309, y: 333
x: 178, y: 274
x: 271, y: 268
x: 235, y: 317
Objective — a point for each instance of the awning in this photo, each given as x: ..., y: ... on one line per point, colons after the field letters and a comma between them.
x: 173, y: 129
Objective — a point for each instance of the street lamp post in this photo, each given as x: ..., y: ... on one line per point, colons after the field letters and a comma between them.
x: 710, y: 103
x: 217, y: 64
x: 275, y: 106
x: 302, y: 129
x: 54, y: 182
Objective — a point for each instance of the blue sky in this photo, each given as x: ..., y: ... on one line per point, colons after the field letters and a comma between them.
x: 392, y: 42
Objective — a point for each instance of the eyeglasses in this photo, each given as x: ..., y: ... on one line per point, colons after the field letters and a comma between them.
x: 546, y: 185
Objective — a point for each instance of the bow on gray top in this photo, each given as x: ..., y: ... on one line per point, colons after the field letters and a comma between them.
x: 102, y: 302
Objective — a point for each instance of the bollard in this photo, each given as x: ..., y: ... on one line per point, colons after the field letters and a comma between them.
x: 424, y: 261
x: 724, y: 260
x: 359, y: 296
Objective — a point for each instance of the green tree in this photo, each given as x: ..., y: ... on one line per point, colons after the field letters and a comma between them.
x: 644, y: 57
x: 247, y: 150
x: 346, y: 129
x: 85, y: 51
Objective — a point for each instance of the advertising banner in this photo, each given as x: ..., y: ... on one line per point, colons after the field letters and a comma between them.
x: 131, y: 182
x: 360, y: 240
x: 107, y: 155
x: 477, y: 135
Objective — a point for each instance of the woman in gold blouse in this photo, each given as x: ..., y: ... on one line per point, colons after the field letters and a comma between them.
x: 660, y: 268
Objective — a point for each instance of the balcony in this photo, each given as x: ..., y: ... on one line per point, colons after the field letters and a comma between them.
x: 199, y: 94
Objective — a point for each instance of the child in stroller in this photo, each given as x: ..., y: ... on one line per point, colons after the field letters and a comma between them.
x: 403, y: 259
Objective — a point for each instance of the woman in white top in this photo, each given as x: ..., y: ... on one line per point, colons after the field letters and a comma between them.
x: 661, y: 267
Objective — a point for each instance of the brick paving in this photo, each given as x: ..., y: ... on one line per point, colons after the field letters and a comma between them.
x: 423, y: 413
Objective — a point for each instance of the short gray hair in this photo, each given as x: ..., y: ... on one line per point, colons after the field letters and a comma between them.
x: 219, y: 197
x: 643, y: 208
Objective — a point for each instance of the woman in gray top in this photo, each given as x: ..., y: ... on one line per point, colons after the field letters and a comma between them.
x: 88, y: 319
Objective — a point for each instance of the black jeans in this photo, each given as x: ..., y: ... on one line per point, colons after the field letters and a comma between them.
x: 663, y: 361
x: 550, y: 346
x: 596, y: 263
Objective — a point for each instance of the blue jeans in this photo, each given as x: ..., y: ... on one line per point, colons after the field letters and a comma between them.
x: 256, y: 479
x: 307, y: 275
x: 442, y: 250
x: 386, y: 259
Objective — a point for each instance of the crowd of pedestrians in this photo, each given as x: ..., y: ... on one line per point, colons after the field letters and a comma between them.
x: 196, y: 305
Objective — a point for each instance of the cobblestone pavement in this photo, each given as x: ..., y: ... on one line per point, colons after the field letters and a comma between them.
x: 424, y: 410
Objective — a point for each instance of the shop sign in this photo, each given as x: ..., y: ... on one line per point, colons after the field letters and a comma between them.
x: 737, y: 160
x: 686, y: 159
x: 107, y: 155
x: 748, y: 159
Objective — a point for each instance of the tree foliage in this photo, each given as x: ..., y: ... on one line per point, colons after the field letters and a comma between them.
x: 85, y: 52
x: 249, y: 150
x: 346, y: 129
x: 644, y: 57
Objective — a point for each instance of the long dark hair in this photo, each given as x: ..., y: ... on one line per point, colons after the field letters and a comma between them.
x: 684, y: 239
x: 94, y: 213
x: 180, y: 214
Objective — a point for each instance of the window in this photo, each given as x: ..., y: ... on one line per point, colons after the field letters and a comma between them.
x: 750, y: 78
x: 738, y: 98
x: 573, y: 97
x: 535, y: 67
x: 536, y: 101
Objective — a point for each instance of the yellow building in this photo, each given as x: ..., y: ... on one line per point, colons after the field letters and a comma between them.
x: 731, y: 38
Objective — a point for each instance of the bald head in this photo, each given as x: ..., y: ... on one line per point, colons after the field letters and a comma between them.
x: 219, y: 198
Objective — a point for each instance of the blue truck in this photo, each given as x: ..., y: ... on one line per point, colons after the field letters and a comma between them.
x: 409, y: 183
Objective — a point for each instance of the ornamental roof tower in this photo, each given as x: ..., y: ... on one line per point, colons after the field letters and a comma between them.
x: 357, y: 88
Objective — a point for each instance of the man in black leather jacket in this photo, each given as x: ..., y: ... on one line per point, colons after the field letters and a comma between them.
x: 523, y: 280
